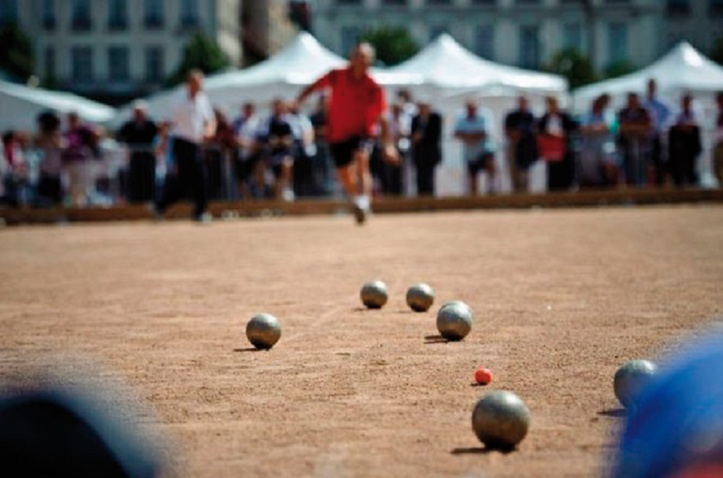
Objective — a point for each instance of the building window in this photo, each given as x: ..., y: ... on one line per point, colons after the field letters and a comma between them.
x: 715, y: 7
x: 49, y: 62
x: 189, y: 13
x: 117, y: 15
x: 81, y: 15
x: 437, y: 30
x: 153, y: 13
x: 154, y: 64
x: 530, y: 47
x: 48, y: 14
x: 8, y: 12
x: 572, y: 37
x: 118, y: 69
x: 484, y: 41
x: 81, y: 58
x: 617, y: 42
x: 677, y: 7
x: 349, y: 38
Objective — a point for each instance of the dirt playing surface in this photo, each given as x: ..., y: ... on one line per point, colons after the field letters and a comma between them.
x: 561, y: 298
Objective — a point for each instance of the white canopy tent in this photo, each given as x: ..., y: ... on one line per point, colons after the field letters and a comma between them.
x: 451, y: 76
x: 283, y: 75
x: 446, y: 65
x: 682, y: 70
x: 20, y: 105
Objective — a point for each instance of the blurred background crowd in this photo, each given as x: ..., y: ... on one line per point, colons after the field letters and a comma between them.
x: 645, y: 143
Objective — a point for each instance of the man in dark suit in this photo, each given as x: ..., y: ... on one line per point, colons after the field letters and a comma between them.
x: 426, y: 149
x: 138, y: 134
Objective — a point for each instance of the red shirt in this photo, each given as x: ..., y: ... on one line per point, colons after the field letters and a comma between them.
x: 354, y: 104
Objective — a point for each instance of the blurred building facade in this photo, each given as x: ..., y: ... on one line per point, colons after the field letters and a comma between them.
x: 121, y: 48
x: 127, y: 48
x: 266, y: 28
x: 525, y: 33
x: 700, y: 22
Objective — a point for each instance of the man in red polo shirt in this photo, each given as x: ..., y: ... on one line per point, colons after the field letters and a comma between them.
x: 357, y: 105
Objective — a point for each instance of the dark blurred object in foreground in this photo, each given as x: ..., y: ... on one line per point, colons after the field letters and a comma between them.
x: 53, y: 433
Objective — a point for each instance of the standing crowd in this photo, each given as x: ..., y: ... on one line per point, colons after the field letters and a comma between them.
x: 353, y: 143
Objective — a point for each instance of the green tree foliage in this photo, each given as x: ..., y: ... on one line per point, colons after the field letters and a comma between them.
x: 717, y: 53
x: 574, y: 66
x: 16, y: 53
x: 200, y: 53
x: 619, y: 68
x: 393, y: 44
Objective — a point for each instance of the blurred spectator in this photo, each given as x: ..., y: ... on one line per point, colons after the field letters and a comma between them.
x: 473, y: 130
x: 322, y: 161
x: 304, y: 149
x: 684, y: 145
x: 661, y: 115
x: 50, y: 143
x: 166, y: 171
x: 193, y: 124
x: 390, y: 173
x: 556, y: 129
x: 219, y: 154
x: 718, y: 146
x: 597, y: 161
x: 15, y: 175
x: 246, y: 157
x: 521, y: 132
x: 635, y: 128
x: 81, y: 148
x: 138, y: 134
x: 409, y: 107
x: 277, y: 139
x: 426, y: 147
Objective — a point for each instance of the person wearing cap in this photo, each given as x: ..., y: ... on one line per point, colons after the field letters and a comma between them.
x: 138, y: 134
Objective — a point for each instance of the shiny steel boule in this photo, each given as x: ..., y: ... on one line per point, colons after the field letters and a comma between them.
x: 374, y: 294
x: 263, y: 331
x: 631, y: 378
x: 420, y: 297
x: 454, y: 321
x: 501, y: 420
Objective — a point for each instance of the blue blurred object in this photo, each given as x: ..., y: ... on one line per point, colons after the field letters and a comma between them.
x: 678, y: 422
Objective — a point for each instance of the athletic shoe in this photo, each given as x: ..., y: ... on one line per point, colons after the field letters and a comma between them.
x: 361, y: 214
x: 288, y: 195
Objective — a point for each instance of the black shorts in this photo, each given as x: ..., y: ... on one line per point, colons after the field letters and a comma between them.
x: 343, y: 152
x: 245, y: 167
x: 480, y: 163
